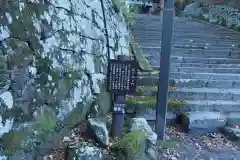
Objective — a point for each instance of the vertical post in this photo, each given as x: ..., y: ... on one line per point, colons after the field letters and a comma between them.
x: 162, y: 96
x: 119, y: 105
x: 162, y: 6
x: 118, y: 115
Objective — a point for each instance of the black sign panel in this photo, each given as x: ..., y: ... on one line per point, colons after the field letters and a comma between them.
x: 121, y: 76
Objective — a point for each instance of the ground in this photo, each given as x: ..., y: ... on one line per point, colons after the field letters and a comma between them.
x: 182, y: 146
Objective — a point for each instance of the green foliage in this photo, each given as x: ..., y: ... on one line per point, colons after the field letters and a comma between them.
x: 127, y: 124
x: 151, y: 101
x: 46, y: 123
x: 78, y: 114
x: 132, y: 141
x: 120, y: 7
x: 179, y: 1
x: 153, y: 88
x: 12, y: 141
x: 71, y: 78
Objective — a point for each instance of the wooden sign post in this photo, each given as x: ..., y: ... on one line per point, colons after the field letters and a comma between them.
x: 121, y: 80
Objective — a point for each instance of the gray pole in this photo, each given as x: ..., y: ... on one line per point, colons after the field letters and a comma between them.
x: 162, y: 96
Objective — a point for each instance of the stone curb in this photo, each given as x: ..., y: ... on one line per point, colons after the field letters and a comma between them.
x: 140, y: 58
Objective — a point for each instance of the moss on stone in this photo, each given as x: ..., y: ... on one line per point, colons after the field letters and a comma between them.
x: 46, y: 123
x: 12, y: 141
x: 131, y: 142
x: 121, y: 7
x: 151, y: 102
x: 139, y: 56
x: 153, y: 88
x: 78, y: 114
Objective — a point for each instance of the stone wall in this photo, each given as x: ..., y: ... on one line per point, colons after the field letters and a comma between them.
x: 54, y: 55
x: 220, y: 14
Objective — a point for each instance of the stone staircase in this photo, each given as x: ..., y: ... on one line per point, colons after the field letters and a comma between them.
x: 204, y: 74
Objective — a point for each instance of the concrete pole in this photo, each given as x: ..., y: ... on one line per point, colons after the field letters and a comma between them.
x: 166, y: 48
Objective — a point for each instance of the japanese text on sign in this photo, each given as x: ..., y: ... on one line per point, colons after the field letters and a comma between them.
x: 121, y: 78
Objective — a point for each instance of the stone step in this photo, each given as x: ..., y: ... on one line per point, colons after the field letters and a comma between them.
x: 181, y: 28
x: 199, y: 83
x: 180, y: 59
x: 158, y: 33
x: 216, y: 42
x: 207, y: 121
x: 149, y: 29
x: 223, y: 106
x: 194, y: 49
x: 205, y: 94
x: 188, y: 93
x: 201, y: 47
x: 231, y: 132
x: 204, y: 76
x: 202, y: 122
x: 155, y: 61
x: 205, y: 70
x: 156, y: 40
x: 200, y: 65
x: 155, y: 55
x: 191, y: 83
x: 208, y: 76
x: 210, y: 55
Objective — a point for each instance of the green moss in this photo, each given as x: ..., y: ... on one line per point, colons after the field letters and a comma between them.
x: 175, y: 104
x: 151, y: 102
x: 71, y: 78
x: 78, y: 114
x: 138, y: 55
x: 46, y: 123
x: 132, y: 141
x: 153, y: 88
x: 120, y: 7
x: 12, y: 141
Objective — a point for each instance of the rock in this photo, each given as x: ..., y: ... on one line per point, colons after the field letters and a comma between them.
x: 231, y: 132
x: 84, y: 151
x: 173, y: 158
x: 7, y: 99
x: 192, y: 9
x: 6, y: 126
x: 233, y: 119
x: 150, y: 115
x: 201, y: 122
x: 100, y: 131
x: 3, y: 158
x: 140, y: 124
x: 6, y: 103
x: 151, y: 150
x: 132, y: 146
